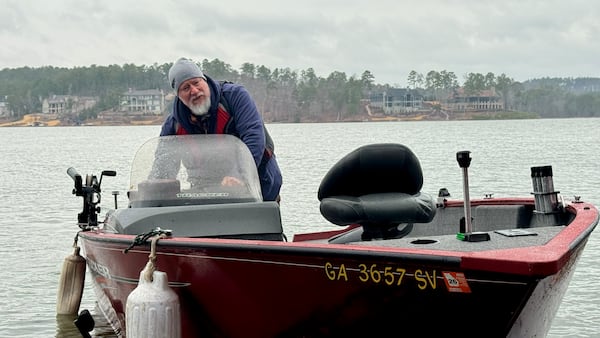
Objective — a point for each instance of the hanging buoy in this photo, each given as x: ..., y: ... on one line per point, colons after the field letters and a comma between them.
x: 70, y: 286
x: 152, y: 308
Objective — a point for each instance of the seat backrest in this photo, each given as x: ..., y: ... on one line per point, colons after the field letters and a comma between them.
x: 374, y: 168
x: 377, y: 186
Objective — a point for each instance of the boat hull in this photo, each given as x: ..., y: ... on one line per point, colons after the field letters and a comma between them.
x: 402, y: 263
x: 241, y: 288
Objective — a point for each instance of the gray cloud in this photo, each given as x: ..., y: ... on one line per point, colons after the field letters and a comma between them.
x: 523, y: 39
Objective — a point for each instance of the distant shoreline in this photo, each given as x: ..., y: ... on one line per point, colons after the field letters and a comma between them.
x: 43, y: 120
x: 46, y: 120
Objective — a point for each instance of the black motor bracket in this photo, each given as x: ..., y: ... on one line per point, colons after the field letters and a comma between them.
x: 91, y: 194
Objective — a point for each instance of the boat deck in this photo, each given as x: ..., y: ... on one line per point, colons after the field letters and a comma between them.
x: 520, y: 238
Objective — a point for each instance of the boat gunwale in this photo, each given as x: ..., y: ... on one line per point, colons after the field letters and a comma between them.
x: 545, y: 260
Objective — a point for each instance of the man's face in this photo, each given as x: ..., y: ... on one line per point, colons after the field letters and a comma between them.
x: 195, y: 94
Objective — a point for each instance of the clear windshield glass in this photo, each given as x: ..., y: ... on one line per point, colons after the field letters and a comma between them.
x: 193, y: 169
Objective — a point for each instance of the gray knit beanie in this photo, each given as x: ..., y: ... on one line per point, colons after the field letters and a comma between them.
x: 182, y: 70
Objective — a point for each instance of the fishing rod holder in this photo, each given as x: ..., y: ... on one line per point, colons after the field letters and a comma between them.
x: 546, y: 199
x: 548, y: 206
x: 91, y: 194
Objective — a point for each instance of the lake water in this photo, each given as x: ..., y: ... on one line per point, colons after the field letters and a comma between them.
x: 38, y: 212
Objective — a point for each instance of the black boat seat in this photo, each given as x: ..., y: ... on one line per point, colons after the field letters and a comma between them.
x: 377, y: 186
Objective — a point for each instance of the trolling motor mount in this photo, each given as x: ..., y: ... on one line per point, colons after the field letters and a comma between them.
x: 90, y: 192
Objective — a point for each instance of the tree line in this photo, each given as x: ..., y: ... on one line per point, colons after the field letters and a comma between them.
x: 286, y: 95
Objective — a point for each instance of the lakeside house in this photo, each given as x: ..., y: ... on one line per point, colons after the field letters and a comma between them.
x: 483, y: 100
x: 396, y: 101
x: 136, y: 105
x: 132, y: 102
x: 67, y: 104
x: 4, y: 112
x: 142, y: 102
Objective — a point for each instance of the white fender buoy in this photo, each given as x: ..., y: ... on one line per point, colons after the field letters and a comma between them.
x: 70, y: 286
x: 152, y: 309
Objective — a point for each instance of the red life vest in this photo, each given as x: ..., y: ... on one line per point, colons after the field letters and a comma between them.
x: 223, y: 122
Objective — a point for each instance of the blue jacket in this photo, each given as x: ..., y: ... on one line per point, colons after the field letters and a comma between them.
x: 247, y: 125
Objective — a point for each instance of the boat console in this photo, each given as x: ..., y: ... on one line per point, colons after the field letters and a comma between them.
x: 176, y: 183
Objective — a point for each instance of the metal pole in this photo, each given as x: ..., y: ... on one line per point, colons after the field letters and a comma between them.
x: 464, y: 160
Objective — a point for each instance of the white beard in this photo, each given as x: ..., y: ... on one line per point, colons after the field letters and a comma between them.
x: 200, y: 109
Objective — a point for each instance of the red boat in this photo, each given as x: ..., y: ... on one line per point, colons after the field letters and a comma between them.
x: 404, y: 262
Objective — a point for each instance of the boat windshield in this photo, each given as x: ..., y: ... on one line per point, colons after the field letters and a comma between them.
x: 193, y: 169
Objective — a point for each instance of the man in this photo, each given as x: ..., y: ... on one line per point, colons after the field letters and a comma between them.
x: 205, y: 106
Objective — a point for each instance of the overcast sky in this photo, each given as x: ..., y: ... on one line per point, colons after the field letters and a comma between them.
x: 523, y: 39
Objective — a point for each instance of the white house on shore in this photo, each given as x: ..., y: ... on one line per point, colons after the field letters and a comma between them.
x: 143, y: 102
x: 67, y: 104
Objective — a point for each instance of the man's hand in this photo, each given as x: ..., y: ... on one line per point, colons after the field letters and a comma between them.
x: 230, y: 181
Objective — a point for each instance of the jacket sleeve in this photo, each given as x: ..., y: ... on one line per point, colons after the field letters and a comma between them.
x: 248, y: 121
x: 168, y: 127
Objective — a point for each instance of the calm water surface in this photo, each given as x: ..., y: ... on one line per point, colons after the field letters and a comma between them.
x: 38, y: 213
